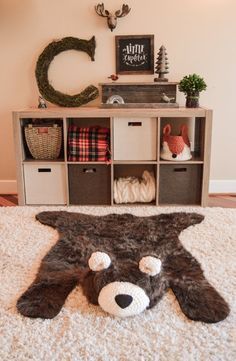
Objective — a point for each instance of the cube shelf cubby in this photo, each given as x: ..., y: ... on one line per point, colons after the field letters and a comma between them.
x: 135, y: 143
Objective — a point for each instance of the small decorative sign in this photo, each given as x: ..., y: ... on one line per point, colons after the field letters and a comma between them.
x: 135, y: 54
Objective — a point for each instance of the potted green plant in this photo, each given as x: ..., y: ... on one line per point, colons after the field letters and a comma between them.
x: 191, y: 86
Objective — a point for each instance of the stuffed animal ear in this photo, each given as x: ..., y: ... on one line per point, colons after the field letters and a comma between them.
x: 167, y: 129
x: 150, y: 265
x: 184, y: 134
x: 99, y: 261
x: 184, y: 129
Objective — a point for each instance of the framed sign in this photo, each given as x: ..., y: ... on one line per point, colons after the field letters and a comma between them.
x: 135, y: 54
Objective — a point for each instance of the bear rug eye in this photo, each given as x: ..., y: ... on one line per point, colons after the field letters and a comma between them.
x: 133, y: 282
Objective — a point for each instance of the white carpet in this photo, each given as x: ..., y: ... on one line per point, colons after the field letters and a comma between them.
x: 85, y: 332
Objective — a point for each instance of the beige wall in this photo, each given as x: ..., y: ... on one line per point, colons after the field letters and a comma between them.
x: 199, y: 37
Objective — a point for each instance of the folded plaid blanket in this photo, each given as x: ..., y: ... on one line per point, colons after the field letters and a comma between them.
x: 88, y: 144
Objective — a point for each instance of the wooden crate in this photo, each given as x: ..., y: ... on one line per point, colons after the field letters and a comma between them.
x: 140, y: 93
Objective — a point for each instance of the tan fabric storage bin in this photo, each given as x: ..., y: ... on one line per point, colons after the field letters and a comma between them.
x: 45, y: 184
x: 135, y: 139
x: 89, y: 184
x: 180, y: 184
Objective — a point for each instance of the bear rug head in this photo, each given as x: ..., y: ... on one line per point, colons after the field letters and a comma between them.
x: 124, y: 263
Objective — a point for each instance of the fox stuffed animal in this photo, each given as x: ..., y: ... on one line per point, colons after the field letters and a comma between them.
x: 175, y: 147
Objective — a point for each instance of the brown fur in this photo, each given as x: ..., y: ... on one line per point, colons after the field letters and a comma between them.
x: 126, y: 239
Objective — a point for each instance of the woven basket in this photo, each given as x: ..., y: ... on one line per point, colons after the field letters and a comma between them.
x: 44, y: 142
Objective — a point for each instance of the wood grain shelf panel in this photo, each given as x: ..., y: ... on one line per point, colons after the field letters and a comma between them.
x: 135, y: 204
x: 90, y: 112
x: 134, y: 162
x: 90, y: 162
x: 43, y: 161
x: 191, y: 161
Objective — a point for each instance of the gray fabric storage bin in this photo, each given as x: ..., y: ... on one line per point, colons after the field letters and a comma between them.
x: 180, y: 184
x: 89, y: 184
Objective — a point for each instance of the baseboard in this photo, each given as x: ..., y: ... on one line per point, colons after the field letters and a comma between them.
x: 216, y: 186
x: 222, y: 186
x: 8, y: 187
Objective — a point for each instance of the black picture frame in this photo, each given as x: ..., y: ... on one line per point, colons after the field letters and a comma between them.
x: 134, y: 54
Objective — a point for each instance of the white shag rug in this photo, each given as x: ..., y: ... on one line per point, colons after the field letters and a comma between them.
x: 84, y: 332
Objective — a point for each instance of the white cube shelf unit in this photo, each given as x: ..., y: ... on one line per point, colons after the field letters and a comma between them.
x: 135, y: 143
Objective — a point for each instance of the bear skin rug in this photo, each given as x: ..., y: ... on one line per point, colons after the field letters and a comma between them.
x: 124, y: 263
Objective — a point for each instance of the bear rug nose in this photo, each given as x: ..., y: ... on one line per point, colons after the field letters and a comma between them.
x: 123, y: 300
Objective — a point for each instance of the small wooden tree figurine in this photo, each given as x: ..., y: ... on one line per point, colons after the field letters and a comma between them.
x: 162, y: 65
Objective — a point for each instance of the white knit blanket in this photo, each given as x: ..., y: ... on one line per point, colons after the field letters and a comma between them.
x: 84, y: 332
x: 134, y: 190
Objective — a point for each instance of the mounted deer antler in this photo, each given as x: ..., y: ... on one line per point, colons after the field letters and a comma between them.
x: 112, y: 18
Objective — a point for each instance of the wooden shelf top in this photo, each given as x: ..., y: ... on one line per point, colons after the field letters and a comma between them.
x: 90, y: 112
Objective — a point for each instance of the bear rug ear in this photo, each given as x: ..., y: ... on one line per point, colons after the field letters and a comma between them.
x: 50, y: 218
x: 199, y: 301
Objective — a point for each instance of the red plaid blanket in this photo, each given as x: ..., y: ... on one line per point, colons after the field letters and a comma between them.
x: 88, y: 144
